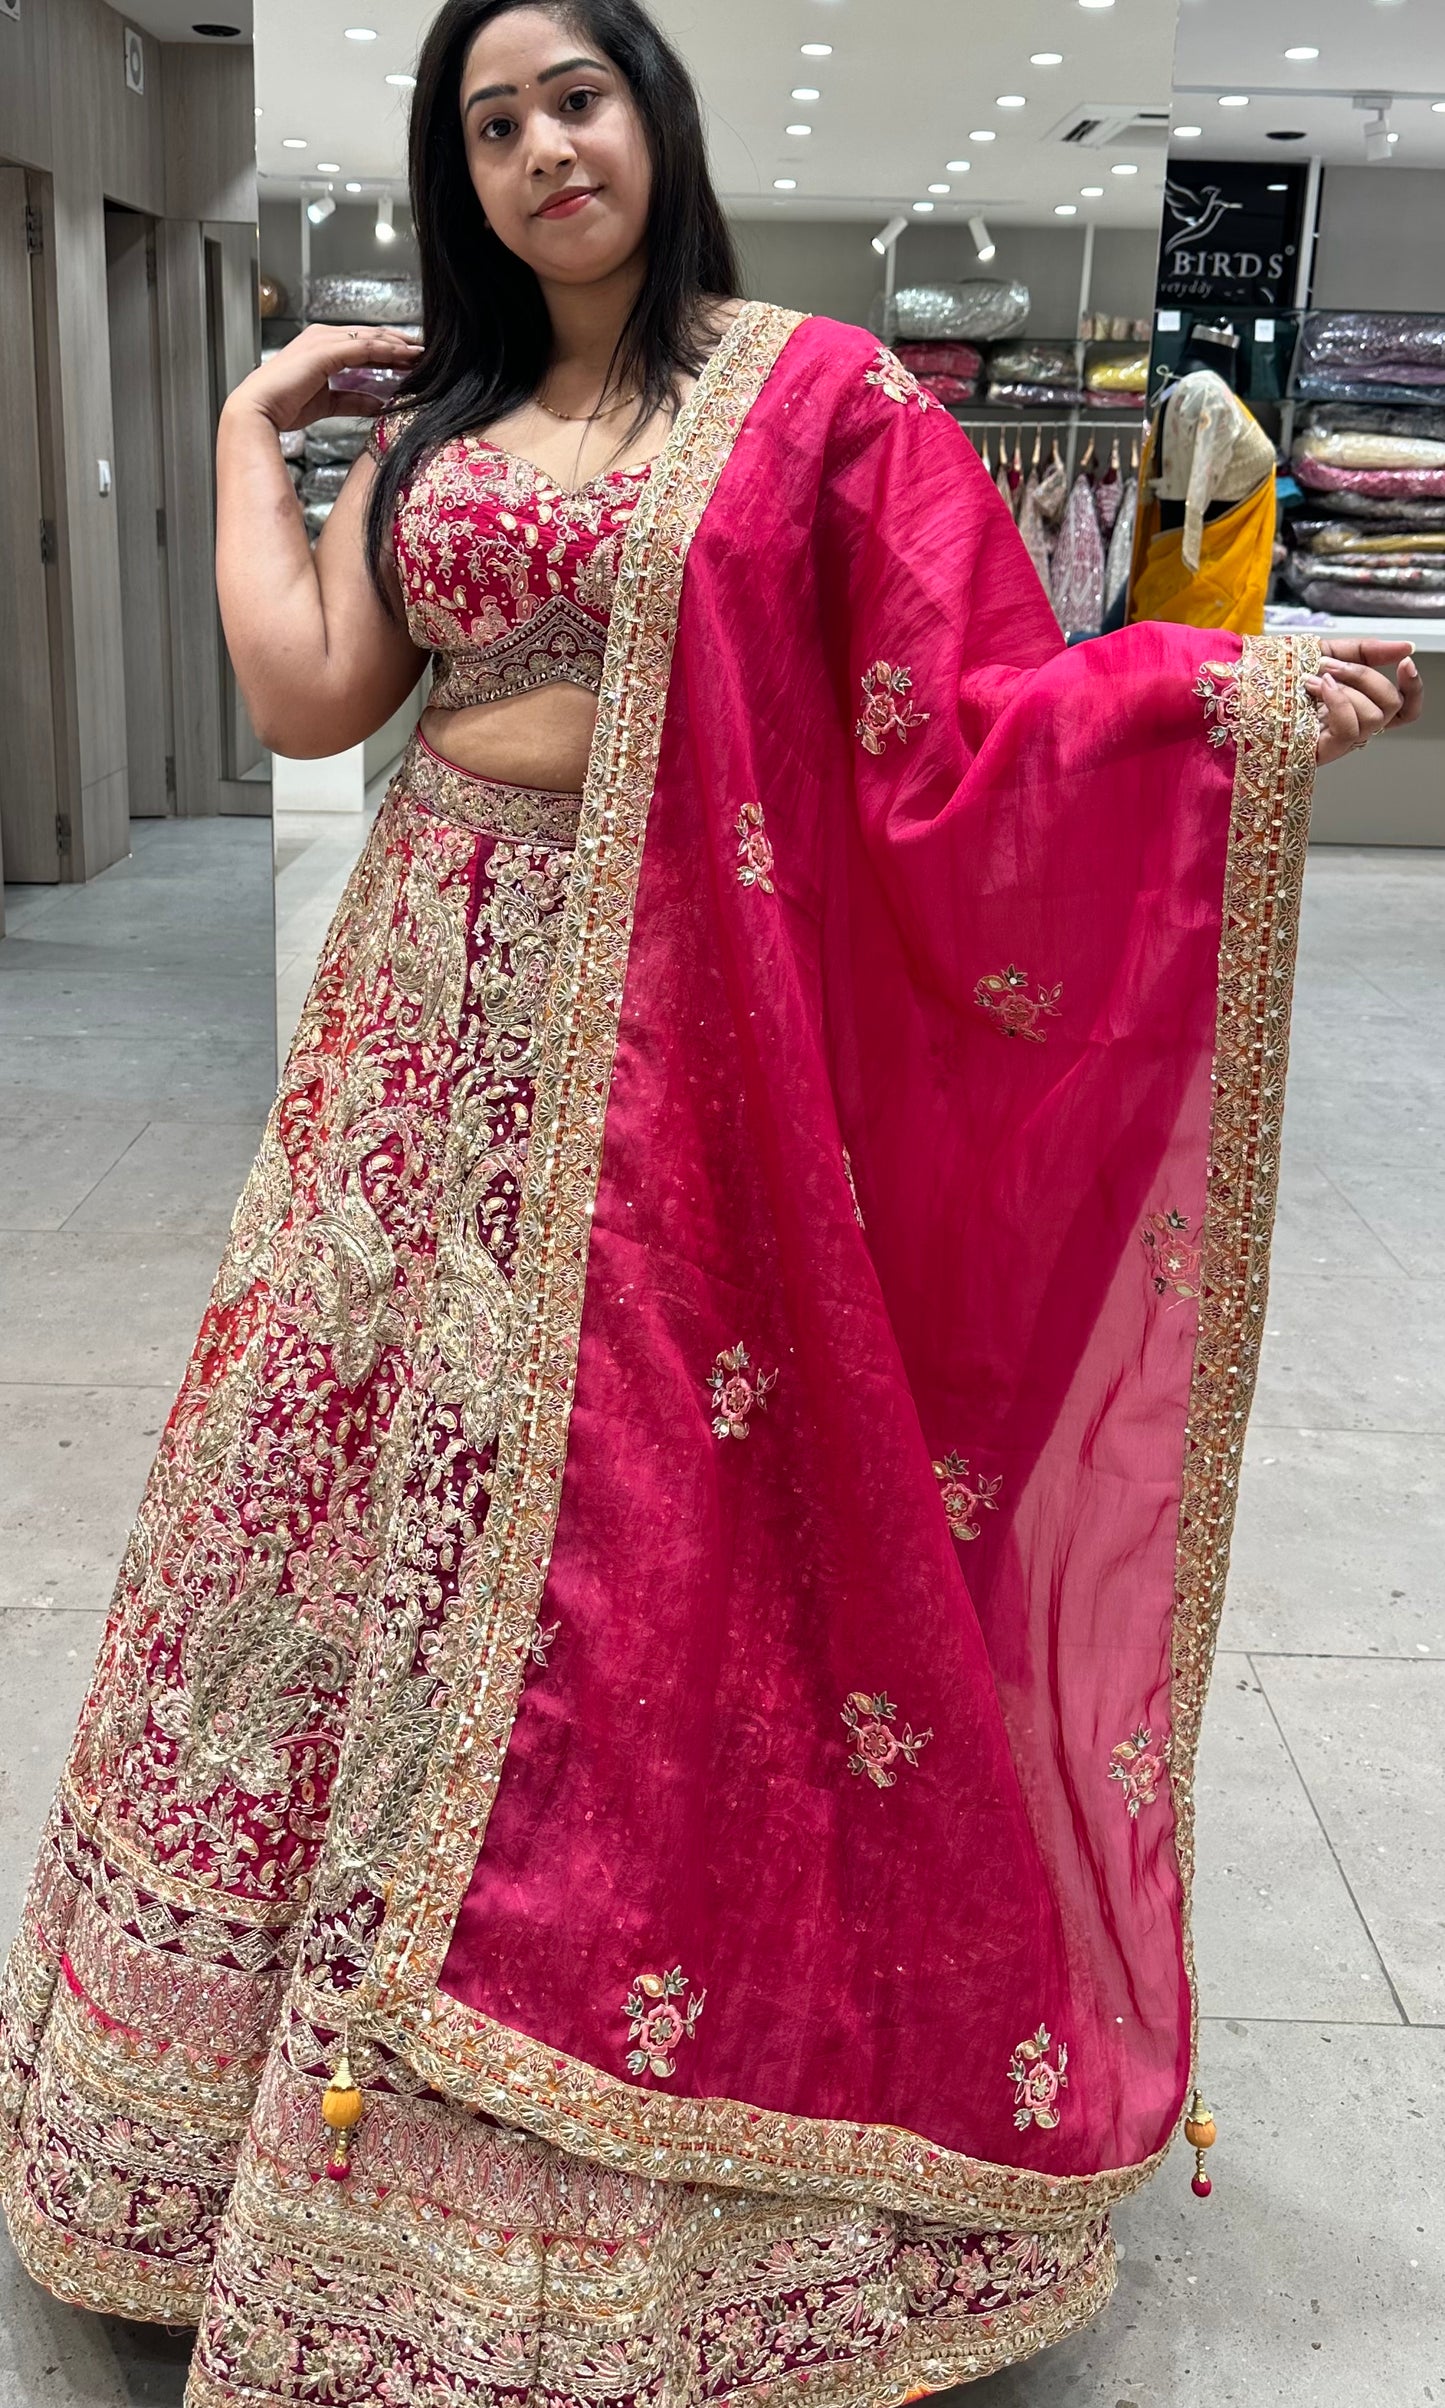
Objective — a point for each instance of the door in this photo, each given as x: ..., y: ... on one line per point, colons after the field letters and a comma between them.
x: 29, y: 800
x: 130, y: 272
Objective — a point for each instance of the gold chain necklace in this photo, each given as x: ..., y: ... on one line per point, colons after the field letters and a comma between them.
x: 587, y: 417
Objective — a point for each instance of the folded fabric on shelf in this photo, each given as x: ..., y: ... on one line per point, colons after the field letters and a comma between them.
x: 1367, y: 447
x: 1369, y: 601
x: 1392, y: 576
x: 1383, y: 484
x: 1037, y: 397
x: 1415, y: 419
x: 1336, y: 535
x: 1371, y: 346
x: 942, y: 359
x: 1115, y: 375
x: 949, y: 388
x: 1035, y: 363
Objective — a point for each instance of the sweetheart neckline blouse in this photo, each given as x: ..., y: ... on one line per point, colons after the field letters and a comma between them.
x: 508, y: 576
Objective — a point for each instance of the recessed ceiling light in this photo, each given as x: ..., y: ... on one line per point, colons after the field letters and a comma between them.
x: 257, y: 112
x: 292, y: 142
x: 406, y: 82
x: 1046, y: 58
x: 1011, y: 100
x: 353, y: 188
x: 1276, y: 188
x: 1234, y: 100
x: 817, y: 50
x: 1437, y: 108
x: 361, y: 33
x: 328, y: 167
x: 785, y: 183
x: 1123, y: 169
x: 798, y: 130
x: 806, y: 92
x: 1187, y: 133
x: 1096, y: 3
x: 1065, y: 209
x: 924, y: 208
x: 1091, y: 192
x: 957, y: 167
x: 1284, y: 133
x: 983, y: 133
x: 1302, y: 50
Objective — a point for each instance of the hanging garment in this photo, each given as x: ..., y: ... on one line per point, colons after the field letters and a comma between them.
x: 1077, y: 572
x: 1108, y: 494
x: 1121, y: 546
x: 631, y: 1831
x: 1034, y: 530
x: 1211, y: 571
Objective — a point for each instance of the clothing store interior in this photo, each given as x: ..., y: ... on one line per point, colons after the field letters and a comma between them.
x: 1178, y: 275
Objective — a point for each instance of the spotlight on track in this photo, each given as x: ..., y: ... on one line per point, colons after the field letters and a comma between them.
x: 983, y: 241
x: 321, y: 209
x: 883, y: 243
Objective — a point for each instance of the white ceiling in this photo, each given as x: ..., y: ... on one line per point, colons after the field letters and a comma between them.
x: 176, y: 20
x: 909, y: 82
x: 1391, y: 47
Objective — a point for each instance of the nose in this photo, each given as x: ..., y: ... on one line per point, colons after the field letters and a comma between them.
x: 550, y: 149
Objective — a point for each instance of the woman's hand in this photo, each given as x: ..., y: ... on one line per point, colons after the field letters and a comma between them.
x: 1357, y: 699
x: 291, y: 389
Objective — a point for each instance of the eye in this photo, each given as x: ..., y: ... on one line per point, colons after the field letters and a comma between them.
x: 497, y: 128
x: 576, y: 102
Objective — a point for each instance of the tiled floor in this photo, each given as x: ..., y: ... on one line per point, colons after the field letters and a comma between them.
x: 134, y: 1071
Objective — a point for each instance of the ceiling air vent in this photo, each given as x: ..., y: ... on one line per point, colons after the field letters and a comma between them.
x: 1106, y: 129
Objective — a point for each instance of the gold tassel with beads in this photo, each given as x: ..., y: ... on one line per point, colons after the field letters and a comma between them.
x: 342, y: 2107
x: 1201, y: 2133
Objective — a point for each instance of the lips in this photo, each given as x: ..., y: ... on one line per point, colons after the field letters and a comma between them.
x: 567, y: 204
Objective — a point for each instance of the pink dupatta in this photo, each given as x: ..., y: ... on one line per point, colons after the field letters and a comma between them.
x: 812, y: 1808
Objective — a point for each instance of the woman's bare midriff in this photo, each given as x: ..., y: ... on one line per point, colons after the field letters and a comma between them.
x: 542, y: 739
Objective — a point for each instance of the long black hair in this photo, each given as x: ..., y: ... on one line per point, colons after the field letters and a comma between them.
x: 488, y: 337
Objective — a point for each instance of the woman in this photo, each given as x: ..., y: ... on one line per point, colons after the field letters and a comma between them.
x: 630, y: 1836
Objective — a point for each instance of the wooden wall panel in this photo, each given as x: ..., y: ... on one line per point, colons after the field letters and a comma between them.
x: 210, y: 133
x: 25, y: 86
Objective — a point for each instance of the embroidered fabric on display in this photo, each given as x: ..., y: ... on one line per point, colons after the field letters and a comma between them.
x: 887, y: 710
x: 876, y: 1746
x: 1037, y: 2081
x: 1016, y: 1009
x: 1140, y: 1765
x: 506, y: 574
x: 660, y: 2021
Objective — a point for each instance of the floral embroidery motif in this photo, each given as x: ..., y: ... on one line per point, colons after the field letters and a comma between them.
x: 1175, y: 1253
x: 1139, y: 1764
x: 899, y: 383
x: 1217, y: 686
x: 876, y: 1749
x: 1037, y: 2082
x: 965, y: 1494
x: 852, y: 1188
x: 755, y: 854
x: 1014, y: 1010
x: 737, y: 1391
x: 659, y: 2022
x: 886, y: 708
x: 541, y: 1645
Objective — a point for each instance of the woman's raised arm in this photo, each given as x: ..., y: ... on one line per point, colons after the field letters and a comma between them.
x: 317, y: 659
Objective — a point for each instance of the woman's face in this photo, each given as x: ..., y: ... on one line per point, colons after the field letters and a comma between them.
x: 555, y: 147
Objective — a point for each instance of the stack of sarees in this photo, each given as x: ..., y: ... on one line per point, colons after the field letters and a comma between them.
x: 949, y: 370
x: 1369, y: 452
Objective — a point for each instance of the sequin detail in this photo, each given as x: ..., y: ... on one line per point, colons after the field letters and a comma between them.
x: 899, y: 383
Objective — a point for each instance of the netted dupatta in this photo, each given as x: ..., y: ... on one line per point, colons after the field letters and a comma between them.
x: 892, y: 1319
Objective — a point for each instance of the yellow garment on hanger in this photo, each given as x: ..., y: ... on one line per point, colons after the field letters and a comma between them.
x: 1229, y: 587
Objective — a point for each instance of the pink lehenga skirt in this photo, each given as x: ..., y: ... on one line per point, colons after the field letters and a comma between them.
x: 253, y: 1737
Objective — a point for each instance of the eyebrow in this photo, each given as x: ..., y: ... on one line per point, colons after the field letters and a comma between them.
x: 549, y: 75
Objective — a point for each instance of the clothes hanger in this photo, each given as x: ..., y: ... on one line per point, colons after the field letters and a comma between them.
x: 1038, y: 449
x: 1088, y: 459
x: 1016, y: 464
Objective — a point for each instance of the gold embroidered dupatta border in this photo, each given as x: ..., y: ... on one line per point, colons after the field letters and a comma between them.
x: 485, y: 2064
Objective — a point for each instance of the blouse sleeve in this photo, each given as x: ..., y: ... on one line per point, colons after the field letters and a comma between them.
x: 378, y: 440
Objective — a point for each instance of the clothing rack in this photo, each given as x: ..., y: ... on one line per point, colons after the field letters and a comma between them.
x: 978, y: 420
